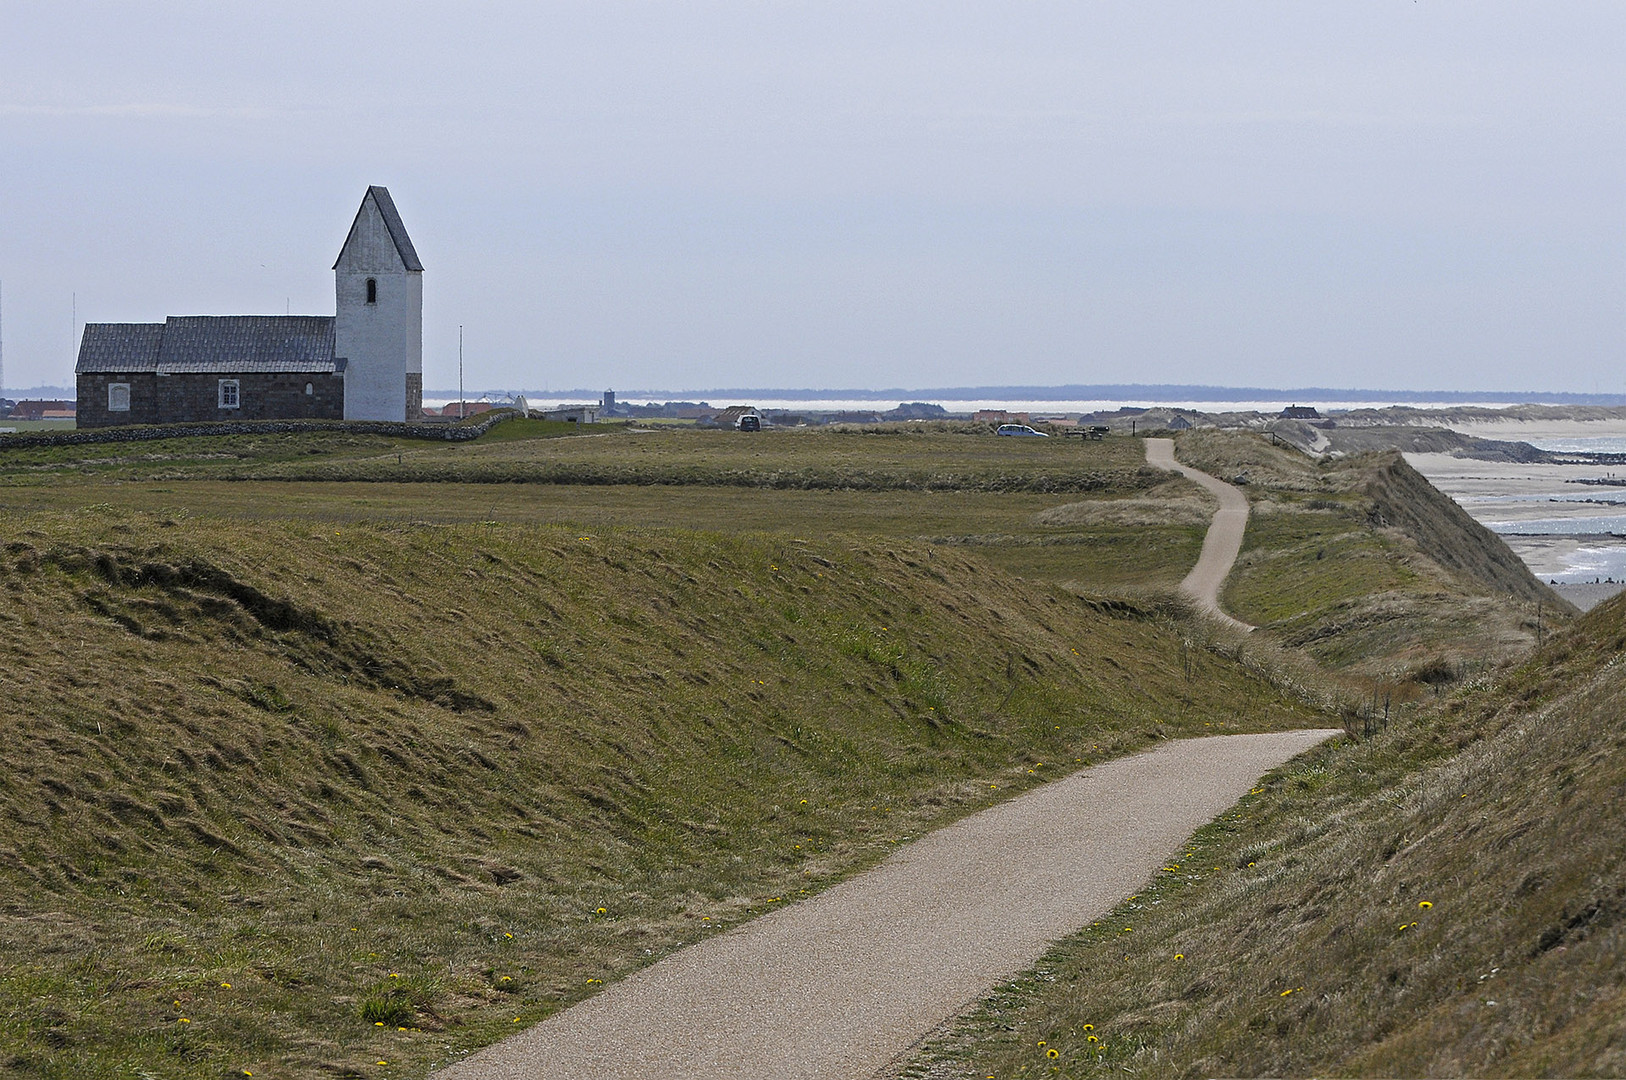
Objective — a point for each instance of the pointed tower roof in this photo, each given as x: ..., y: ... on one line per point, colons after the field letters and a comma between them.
x: 392, y: 221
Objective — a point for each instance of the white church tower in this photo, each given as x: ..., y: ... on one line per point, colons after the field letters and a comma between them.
x: 378, y: 323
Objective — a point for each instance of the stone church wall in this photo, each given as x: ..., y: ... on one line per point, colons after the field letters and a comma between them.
x: 195, y: 396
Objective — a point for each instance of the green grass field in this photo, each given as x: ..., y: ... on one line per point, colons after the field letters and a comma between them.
x: 277, y: 784
x: 327, y: 750
x: 981, y: 492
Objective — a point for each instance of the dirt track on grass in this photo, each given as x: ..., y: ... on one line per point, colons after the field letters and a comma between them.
x: 1223, y: 541
x: 843, y: 984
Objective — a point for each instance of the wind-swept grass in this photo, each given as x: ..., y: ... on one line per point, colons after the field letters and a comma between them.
x: 1443, y: 899
x: 294, y: 797
x: 1369, y: 569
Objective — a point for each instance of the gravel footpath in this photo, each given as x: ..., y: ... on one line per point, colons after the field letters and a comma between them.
x: 843, y: 984
x: 1224, y: 539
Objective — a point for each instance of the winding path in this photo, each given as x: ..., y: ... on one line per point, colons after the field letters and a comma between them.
x: 843, y: 984
x: 1223, y: 542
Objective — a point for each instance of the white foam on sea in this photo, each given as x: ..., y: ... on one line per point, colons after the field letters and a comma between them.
x: 1614, y: 524
x: 1586, y: 564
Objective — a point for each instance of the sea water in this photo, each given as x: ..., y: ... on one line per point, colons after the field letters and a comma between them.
x: 1586, y: 564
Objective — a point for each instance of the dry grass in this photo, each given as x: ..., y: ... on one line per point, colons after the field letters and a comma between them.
x: 987, y: 493
x: 903, y: 459
x: 1365, y: 566
x: 1444, y: 899
x: 1173, y: 502
x: 439, y: 778
x: 376, y: 741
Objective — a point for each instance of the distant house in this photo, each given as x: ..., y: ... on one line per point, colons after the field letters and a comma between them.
x: 365, y: 362
x: 730, y: 416
x: 42, y: 410
x: 1178, y: 423
x: 571, y: 414
x: 459, y: 409
x: 999, y: 416
x: 916, y: 410
x: 1300, y: 412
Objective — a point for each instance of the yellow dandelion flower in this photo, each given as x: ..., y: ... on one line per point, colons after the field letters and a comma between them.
x: 1286, y: 992
x: 1092, y: 1038
x: 507, y: 978
x: 508, y: 935
x: 381, y: 1061
x: 1424, y: 904
x: 1052, y: 1053
x: 1179, y: 956
x: 602, y: 911
x: 516, y: 1019
x: 395, y: 974
x: 378, y: 1023
x: 802, y: 803
x: 225, y: 986
x: 183, y: 1020
x: 1089, y: 1027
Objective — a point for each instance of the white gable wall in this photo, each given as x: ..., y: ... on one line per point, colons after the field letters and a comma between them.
x: 381, y: 342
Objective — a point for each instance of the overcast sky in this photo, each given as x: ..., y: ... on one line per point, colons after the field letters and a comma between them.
x: 1407, y: 195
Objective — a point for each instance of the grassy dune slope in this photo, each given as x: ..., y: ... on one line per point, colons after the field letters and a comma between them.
x: 1364, y: 565
x: 1402, y: 498
x: 303, y: 799
x: 1448, y: 898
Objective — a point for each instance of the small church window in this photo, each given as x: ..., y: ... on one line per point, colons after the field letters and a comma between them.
x: 310, y: 389
x: 118, y: 397
x: 372, y: 290
x: 229, y: 398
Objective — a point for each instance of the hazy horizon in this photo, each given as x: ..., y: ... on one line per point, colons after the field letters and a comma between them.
x: 1398, y: 195
x: 1061, y: 398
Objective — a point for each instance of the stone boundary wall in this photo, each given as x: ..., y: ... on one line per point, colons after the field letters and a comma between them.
x: 462, y: 432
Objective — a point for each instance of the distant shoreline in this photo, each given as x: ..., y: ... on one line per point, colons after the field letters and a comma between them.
x: 1162, y: 393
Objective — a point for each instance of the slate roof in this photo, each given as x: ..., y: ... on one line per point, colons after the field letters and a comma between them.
x: 119, y: 347
x: 392, y: 222
x: 204, y: 343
